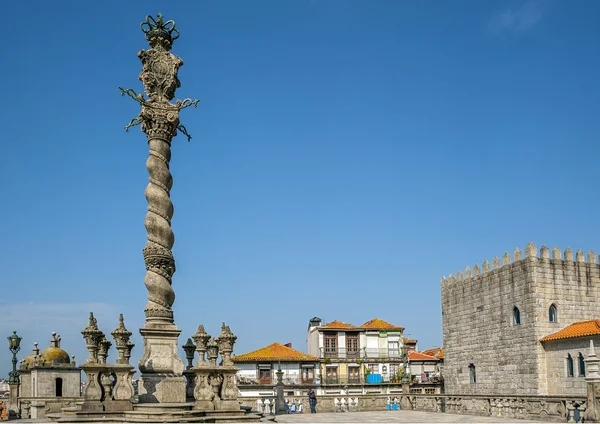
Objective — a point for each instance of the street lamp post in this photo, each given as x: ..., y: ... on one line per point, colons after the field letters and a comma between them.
x: 14, y: 344
x: 405, y: 402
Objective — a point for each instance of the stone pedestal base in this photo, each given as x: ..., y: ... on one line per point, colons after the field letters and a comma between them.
x: 280, y: 401
x: 204, y: 405
x: 592, y: 411
x: 161, y: 369
x: 13, y: 403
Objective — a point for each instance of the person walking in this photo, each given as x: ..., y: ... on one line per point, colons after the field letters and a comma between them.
x: 312, y: 400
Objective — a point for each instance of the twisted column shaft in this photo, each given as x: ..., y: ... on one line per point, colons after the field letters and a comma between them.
x: 160, y: 263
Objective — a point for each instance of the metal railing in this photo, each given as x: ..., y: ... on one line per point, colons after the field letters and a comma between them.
x: 343, y: 379
x: 288, y: 379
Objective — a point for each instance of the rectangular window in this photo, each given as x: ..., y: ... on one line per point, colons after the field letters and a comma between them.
x: 330, y: 340
x: 353, y: 375
x: 394, y: 349
x: 352, y: 345
x: 374, y: 368
x: 264, y: 376
x: 308, y: 374
x: 331, y: 375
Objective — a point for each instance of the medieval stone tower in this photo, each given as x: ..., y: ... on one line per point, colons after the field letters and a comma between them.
x: 493, y: 319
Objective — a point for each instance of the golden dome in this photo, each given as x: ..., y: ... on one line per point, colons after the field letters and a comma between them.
x: 29, y: 362
x: 54, y: 356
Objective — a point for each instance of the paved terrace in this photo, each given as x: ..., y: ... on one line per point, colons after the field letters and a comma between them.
x: 390, y: 417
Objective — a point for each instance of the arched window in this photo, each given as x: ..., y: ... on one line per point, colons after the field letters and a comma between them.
x: 581, y: 361
x: 59, y: 387
x: 472, y: 374
x: 569, y: 366
x: 516, y: 316
x: 552, y: 313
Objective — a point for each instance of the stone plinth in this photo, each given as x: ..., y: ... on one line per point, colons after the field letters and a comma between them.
x: 13, y: 405
x: 161, y: 368
x: 215, y: 388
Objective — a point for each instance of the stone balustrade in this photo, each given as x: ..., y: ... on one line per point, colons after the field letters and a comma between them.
x: 541, y: 408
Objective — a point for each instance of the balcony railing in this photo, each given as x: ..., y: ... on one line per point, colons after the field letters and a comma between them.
x: 361, y: 379
x: 288, y: 379
x: 362, y: 353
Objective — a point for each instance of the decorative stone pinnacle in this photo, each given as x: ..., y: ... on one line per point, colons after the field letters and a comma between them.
x: 159, y: 33
x: 92, y: 336
x: 122, y: 337
x: 189, y: 348
x: 201, y: 338
x: 226, y: 341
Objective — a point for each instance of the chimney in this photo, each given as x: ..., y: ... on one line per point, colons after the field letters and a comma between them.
x: 288, y: 345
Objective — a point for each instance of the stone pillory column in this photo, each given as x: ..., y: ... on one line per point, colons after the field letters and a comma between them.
x: 160, y: 367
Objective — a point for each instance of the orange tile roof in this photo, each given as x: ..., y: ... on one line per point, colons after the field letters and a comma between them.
x: 578, y: 329
x: 416, y: 356
x: 339, y: 325
x: 408, y: 341
x: 275, y: 352
x: 379, y: 324
x: 438, y: 352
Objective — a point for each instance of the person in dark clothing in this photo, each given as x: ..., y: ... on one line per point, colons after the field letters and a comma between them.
x: 312, y: 400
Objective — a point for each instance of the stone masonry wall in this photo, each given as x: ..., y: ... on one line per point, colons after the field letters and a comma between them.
x: 556, y: 365
x: 477, y: 318
x: 46, y: 382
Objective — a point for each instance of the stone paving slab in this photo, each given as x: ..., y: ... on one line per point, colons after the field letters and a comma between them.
x: 391, y: 417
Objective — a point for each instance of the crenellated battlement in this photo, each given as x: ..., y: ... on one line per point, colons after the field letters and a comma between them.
x: 530, y: 254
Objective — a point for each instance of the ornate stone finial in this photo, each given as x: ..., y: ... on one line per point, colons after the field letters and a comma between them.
x: 459, y: 276
x: 505, y: 259
x: 517, y: 254
x: 226, y: 340
x: 468, y: 273
x: 495, y: 263
x: 591, y: 257
x: 556, y: 253
x: 105, y: 345
x: 130, y: 347
x: 530, y: 250
x: 580, y: 256
x: 568, y: 255
x: 122, y: 337
x: 55, y: 340
x: 92, y: 336
x: 36, y: 350
x: 201, y: 338
x: 212, y: 352
x: 486, y: 266
x: 592, y: 365
x: 189, y: 348
x: 159, y: 34
x: 544, y: 252
x: 73, y: 363
x: 476, y: 270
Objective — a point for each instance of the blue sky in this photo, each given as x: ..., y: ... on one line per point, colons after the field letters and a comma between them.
x: 345, y: 156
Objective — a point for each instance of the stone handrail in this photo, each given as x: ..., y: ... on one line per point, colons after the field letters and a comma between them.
x: 545, y: 408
